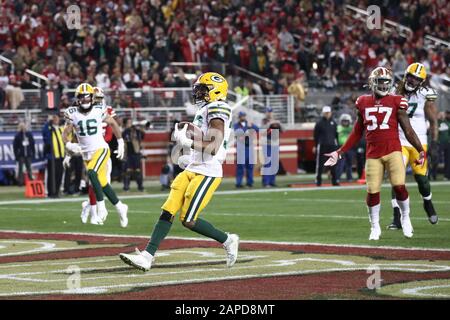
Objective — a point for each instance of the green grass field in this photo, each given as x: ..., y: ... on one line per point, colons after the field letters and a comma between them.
x: 284, y: 220
x: 332, y: 216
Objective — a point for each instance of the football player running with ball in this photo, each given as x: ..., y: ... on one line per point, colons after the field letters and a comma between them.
x: 421, y: 107
x: 86, y: 119
x: 380, y: 115
x: 192, y: 189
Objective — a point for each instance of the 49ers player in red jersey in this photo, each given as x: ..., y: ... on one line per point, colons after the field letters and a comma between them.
x: 90, y: 207
x: 379, y: 114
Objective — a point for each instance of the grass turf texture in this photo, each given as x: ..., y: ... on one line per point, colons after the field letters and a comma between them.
x: 336, y: 216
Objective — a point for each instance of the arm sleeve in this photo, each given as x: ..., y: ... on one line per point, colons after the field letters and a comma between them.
x: 402, y: 103
x: 431, y: 95
x: 222, y: 111
x: 108, y: 134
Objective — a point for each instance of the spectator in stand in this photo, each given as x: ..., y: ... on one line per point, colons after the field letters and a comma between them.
x: 25, y: 83
x: 4, y: 80
x: 272, y: 38
x: 131, y: 79
x: 24, y: 152
x: 298, y: 91
x: 102, y: 78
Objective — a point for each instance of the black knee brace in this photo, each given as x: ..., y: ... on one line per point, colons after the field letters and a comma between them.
x: 166, y: 216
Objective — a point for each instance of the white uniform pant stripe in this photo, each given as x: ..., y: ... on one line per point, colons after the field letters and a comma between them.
x: 100, y: 160
x: 197, y: 199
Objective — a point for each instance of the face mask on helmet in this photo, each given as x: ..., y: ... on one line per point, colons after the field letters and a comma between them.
x: 382, y: 86
x: 412, y: 82
x: 85, y: 101
x: 200, y: 93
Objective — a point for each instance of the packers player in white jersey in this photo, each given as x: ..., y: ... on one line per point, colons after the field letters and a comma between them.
x: 86, y: 118
x: 421, y: 107
x: 192, y: 189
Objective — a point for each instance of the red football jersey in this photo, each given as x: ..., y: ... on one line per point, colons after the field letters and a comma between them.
x: 381, y: 123
x: 107, y: 130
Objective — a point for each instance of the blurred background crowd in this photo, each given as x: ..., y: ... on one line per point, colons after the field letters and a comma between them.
x: 130, y: 44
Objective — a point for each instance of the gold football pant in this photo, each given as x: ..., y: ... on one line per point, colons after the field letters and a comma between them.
x: 190, y: 192
x: 410, y: 155
x: 393, y: 163
x: 99, y: 163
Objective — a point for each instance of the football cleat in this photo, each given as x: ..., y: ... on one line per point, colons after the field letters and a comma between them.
x: 122, y: 210
x: 395, y: 224
x: 375, y: 232
x: 231, y: 246
x: 141, y: 260
x: 85, y: 210
x: 431, y: 213
x: 94, y: 217
x: 102, y: 214
x: 407, y: 227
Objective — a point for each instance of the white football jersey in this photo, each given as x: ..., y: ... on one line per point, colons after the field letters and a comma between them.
x: 416, y: 113
x: 88, y: 128
x: 202, y: 162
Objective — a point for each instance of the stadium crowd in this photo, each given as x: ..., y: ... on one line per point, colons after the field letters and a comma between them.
x: 130, y: 44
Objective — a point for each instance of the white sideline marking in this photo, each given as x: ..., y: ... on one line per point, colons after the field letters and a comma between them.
x: 218, y: 193
x: 243, y: 214
x: 286, y: 243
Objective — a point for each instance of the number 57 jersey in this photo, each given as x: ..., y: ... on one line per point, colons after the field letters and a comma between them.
x: 88, y: 128
x: 381, y: 123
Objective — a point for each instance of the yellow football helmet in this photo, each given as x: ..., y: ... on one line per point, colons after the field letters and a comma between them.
x: 414, y: 77
x: 210, y: 87
x: 84, y: 94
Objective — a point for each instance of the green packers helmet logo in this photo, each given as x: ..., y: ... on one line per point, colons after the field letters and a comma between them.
x: 216, y: 78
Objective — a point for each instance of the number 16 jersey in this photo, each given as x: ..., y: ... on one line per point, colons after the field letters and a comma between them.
x: 381, y: 123
x: 88, y: 128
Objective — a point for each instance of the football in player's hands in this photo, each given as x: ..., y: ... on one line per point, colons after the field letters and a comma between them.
x: 193, y: 132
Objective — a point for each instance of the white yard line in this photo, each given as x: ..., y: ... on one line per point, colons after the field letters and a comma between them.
x: 242, y: 214
x: 218, y: 193
x: 284, y: 243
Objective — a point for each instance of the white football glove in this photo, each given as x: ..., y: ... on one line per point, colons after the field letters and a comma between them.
x: 120, y: 152
x: 180, y: 136
x: 334, y: 157
x: 73, y: 147
x: 183, y: 161
x: 66, y: 162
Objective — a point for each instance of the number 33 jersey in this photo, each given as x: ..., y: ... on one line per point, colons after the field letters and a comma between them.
x: 416, y: 113
x: 381, y: 123
x: 88, y: 128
